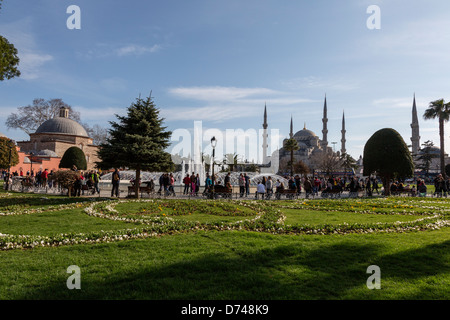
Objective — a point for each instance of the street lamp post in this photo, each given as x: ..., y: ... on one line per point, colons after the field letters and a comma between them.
x: 213, y: 180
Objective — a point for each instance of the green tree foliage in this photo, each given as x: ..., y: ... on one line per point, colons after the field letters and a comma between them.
x: 440, y: 110
x: 7, y: 146
x: 387, y: 155
x: 425, y: 156
x: 137, y: 141
x: 348, y: 162
x: 73, y: 156
x: 9, y: 60
x: 291, y: 145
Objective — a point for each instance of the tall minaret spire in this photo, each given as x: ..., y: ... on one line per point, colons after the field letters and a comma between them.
x: 415, y: 138
x: 343, y: 150
x: 265, y: 135
x: 291, y: 134
x: 325, y: 120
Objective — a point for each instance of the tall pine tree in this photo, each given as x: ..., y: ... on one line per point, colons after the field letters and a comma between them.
x: 137, y: 141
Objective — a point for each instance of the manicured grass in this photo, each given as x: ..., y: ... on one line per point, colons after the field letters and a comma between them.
x: 236, y: 265
x: 315, y: 217
x: 234, y: 250
x: 51, y: 223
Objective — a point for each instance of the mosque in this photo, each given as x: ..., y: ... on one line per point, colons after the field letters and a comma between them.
x: 308, y: 142
x: 310, y: 145
x: 50, y: 141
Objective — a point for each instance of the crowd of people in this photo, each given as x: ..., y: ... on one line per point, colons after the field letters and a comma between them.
x: 88, y: 181
x: 40, y: 178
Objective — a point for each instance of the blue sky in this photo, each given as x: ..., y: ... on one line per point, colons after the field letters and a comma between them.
x: 220, y: 62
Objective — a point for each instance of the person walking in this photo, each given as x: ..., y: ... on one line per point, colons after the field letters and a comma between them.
x: 241, y: 185
x: 193, y: 183
x: 308, y: 187
x: 247, y: 185
x: 187, y: 182
x: 115, y: 181
x: 269, y: 187
x: 171, y: 185
x: 197, y: 184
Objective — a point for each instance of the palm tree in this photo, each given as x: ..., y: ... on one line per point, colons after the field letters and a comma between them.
x: 439, y: 109
x: 291, y: 145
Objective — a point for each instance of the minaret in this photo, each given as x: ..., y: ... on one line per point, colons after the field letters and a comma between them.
x: 343, y: 150
x: 291, y: 134
x: 265, y: 135
x: 415, y: 139
x: 324, y: 142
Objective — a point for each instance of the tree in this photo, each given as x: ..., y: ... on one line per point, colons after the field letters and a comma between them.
x: 98, y: 133
x: 137, y: 141
x: 8, y: 60
x: 425, y: 156
x: 291, y: 145
x: 348, y: 162
x: 439, y: 109
x: 327, y: 162
x: 73, y: 156
x: 301, y: 167
x: 387, y: 155
x: 30, y: 117
x: 65, y: 179
x: 8, y: 147
x: 447, y: 169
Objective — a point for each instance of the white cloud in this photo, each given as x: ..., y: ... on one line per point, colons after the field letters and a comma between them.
x: 136, y: 50
x: 218, y: 93
x: 227, y: 103
x: 31, y: 60
x: 31, y: 63
x: 314, y: 82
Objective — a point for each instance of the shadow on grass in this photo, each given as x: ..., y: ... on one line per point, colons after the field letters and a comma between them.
x: 288, y: 272
x: 39, y: 200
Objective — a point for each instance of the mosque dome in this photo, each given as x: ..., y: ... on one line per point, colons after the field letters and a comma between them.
x: 433, y: 151
x: 47, y: 153
x: 305, y: 133
x: 62, y: 125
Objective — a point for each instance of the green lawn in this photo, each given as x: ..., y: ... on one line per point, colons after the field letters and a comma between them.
x: 315, y: 217
x: 204, y: 250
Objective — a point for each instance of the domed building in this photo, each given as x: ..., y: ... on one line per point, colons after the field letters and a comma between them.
x: 309, y: 143
x: 55, y: 136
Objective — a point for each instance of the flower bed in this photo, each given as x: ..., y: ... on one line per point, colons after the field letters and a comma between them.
x: 161, y: 217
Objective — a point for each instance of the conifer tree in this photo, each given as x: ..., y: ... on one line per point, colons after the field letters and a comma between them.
x: 137, y: 141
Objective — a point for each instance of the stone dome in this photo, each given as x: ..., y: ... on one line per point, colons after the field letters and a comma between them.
x: 305, y: 133
x: 47, y: 153
x: 433, y: 150
x: 62, y: 125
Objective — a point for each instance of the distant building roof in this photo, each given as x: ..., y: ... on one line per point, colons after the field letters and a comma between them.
x: 62, y: 125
